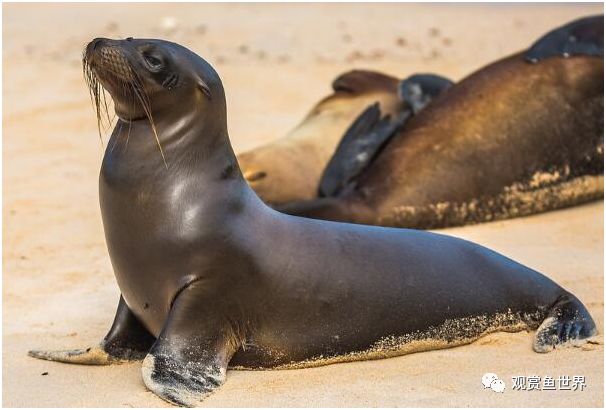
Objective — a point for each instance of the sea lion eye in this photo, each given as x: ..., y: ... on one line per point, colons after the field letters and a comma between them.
x: 154, y: 62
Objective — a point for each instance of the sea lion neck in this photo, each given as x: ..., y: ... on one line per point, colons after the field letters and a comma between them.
x: 198, y: 137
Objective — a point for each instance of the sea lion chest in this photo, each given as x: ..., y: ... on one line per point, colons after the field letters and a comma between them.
x: 154, y: 229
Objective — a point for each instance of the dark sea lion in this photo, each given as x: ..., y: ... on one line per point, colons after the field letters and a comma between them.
x: 210, y: 276
x: 290, y: 168
x: 511, y: 139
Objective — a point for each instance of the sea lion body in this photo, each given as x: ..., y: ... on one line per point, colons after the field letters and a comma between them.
x: 294, y: 309
x: 533, y: 143
x: 211, y: 277
x: 290, y: 168
x: 512, y: 139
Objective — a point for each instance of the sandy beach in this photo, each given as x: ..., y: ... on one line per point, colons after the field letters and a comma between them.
x: 276, y: 61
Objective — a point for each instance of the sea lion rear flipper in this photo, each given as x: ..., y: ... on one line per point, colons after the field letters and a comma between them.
x: 189, y: 359
x: 126, y: 340
x: 568, y: 322
x: 580, y: 37
x: 418, y: 90
x: 357, y: 148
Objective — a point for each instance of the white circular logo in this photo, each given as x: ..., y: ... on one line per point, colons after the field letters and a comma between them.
x: 487, y: 379
x: 498, y: 386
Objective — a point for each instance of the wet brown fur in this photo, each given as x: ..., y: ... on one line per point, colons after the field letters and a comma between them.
x: 473, y: 154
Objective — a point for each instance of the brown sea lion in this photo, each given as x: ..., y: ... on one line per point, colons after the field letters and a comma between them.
x: 520, y: 136
x: 289, y: 168
x: 211, y: 277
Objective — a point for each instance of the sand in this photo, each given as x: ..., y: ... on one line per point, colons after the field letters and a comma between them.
x: 275, y: 61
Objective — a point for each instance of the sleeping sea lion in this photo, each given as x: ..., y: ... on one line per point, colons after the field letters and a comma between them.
x: 520, y: 136
x: 289, y: 169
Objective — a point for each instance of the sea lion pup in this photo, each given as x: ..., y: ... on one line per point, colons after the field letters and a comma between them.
x: 289, y: 169
x: 210, y: 276
x: 512, y: 139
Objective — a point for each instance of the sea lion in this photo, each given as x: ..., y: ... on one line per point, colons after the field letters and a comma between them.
x: 289, y: 169
x: 520, y: 136
x: 210, y: 276
x: 370, y: 132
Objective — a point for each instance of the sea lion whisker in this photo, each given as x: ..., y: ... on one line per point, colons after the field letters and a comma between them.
x: 130, y: 123
x: 147, y: 110
x: 106, y: 109
x: 117, y: 139
x: 146, y: 104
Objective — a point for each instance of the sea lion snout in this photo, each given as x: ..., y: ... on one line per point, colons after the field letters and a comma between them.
x: 108, y: 60
x: 253, y: 176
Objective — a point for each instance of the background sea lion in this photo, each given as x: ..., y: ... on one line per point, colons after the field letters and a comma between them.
x: 210, y: 276
x: 290, y: 168
x: 371, y: 131
x: 511, y: 139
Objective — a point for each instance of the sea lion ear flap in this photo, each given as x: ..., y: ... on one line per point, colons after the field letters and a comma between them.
x: 204, y: 88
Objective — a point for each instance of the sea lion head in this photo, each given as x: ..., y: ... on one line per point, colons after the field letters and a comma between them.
x: 137, y: 72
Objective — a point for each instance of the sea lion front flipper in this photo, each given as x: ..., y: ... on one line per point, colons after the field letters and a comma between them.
x: 127, y: 340
x: 418, y: 90
x: 568, y: 323
x: 189, y: 359
x: 362, y: 140
x: 369, y: 132
x: 580, y: 37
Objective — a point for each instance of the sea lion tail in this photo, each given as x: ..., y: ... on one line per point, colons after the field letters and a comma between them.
x: 567, y: 324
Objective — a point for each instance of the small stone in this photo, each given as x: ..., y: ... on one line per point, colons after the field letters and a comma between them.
x: 401, y: 42
x: 354, y: 55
